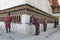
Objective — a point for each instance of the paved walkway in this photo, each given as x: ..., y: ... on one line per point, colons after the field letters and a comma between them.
x: 48, y: 35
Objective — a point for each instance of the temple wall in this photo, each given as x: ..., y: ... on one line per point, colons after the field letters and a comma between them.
x: 41, y: 4
x: 25, y: 28
x: 17, y: 14
x: 33, y: 9
x: 5, y: 4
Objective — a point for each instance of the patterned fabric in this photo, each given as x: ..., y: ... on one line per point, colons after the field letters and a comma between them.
x: 36, y: 23
x: 7, y: 21
x: 7, y: 18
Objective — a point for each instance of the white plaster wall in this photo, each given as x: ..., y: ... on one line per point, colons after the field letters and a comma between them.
x: 25, y: 18
x: 49, y: 25
x: 4, y: 4
x: 22, y: 28
x: 59, y: 21
x: 25, y: 28
x: 41, y: 4
x: 56, y: 14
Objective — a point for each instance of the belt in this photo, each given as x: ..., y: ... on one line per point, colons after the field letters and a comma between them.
x: 7, y: 21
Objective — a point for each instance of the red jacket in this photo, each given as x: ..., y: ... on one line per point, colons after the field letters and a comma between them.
x: 7, y: 21
x: 7, y: 18
x: 36, y: 21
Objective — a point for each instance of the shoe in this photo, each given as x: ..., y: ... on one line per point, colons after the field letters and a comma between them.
x: 9, y: 31
x: 6, y: 32
x: 37, y: 34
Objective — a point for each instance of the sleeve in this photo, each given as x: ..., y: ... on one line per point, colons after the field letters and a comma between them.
x: 10, y: 18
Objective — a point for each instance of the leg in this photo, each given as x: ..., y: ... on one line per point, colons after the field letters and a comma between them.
x: 54, y: 25
x: 37, y: 30
x: 6, y: 30
x: 44, y: 29
x: 9, y: 29
x: 45, y: 26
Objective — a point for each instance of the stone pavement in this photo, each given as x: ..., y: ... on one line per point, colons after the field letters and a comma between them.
x: 16, y: 36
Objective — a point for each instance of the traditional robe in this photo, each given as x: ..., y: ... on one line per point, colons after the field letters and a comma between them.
x: 7, y: 21
x: 36, y: 23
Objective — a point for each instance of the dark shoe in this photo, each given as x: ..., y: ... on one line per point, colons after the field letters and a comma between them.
x: 44, y: 30
x: 6, y: 32
x: 9, y: 31
x: 36, y: 34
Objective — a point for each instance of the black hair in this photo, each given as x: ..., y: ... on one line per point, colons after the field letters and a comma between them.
x: 8, y: 13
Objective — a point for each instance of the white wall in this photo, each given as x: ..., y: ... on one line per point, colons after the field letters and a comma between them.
x: 41, y: 4
x: 59, y: 2
x: 49, y: 25
x: 56, y: 14
x: 4, y: 4
x: 59, y: 21
x: 25, y: 28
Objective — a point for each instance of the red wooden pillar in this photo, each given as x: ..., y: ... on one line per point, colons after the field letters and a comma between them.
x: 55, y: 3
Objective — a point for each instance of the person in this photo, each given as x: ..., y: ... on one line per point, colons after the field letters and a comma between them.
x: 55, y: 22
x: 7, y: 20
x: 45, y: 24
x: 36, y: 22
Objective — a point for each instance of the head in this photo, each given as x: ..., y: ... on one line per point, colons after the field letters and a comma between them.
x: 32, y: 16
x: 8, y: 13
x: 45, y: 18
x: 55, y: 18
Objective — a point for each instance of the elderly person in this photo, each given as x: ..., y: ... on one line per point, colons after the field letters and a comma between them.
x: 7, y: 20
x: 36, y: 23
